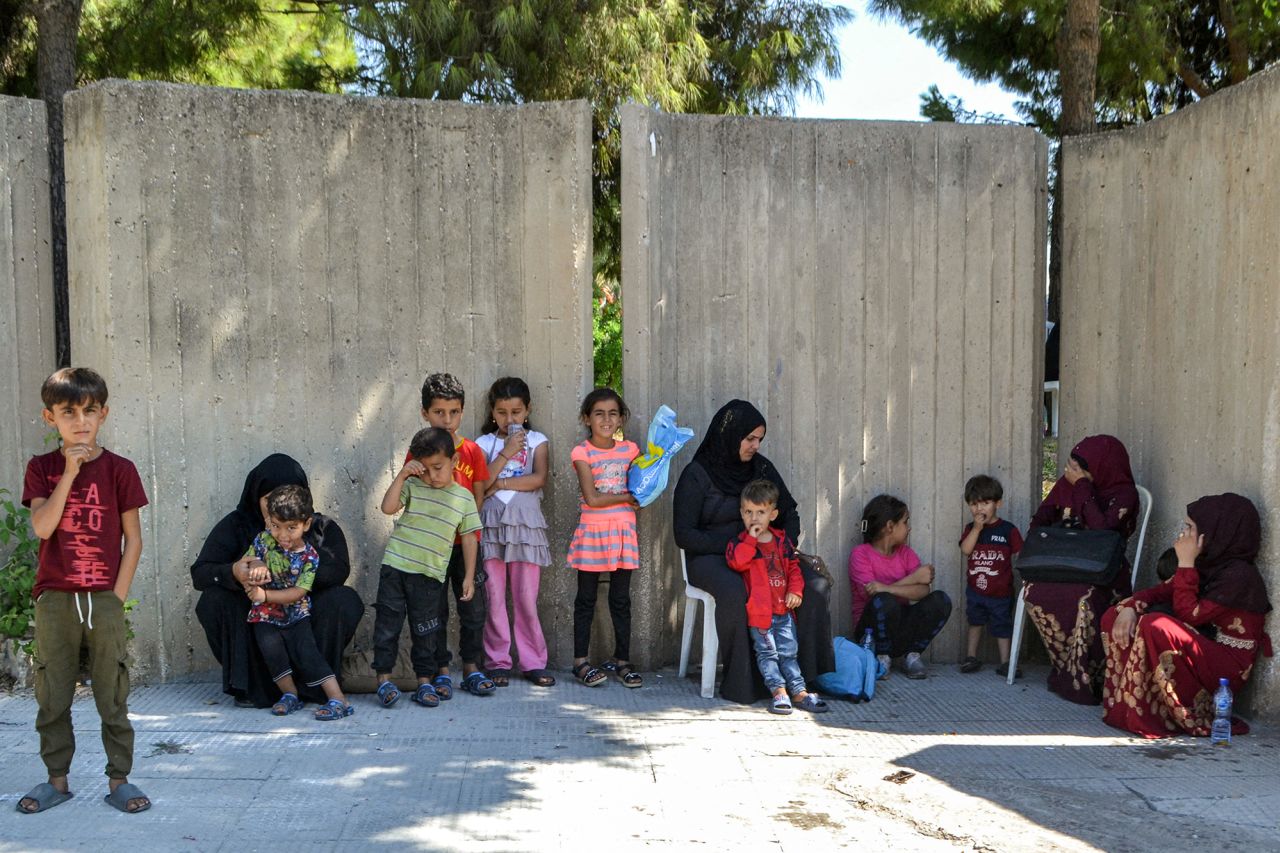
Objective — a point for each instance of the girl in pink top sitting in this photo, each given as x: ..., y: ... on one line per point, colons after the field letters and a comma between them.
x: 891, y: 589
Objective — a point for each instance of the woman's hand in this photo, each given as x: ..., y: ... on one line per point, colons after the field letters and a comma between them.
x: 1125, y: 626
x: 1188, y: 544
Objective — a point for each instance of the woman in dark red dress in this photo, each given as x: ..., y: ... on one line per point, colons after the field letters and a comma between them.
x: 1096, y: 492
x: 1162, y: 671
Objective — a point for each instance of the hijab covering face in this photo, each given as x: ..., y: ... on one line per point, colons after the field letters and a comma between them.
x: 1232, y: 537
x: 1107, y: 462
x: 720, y: 450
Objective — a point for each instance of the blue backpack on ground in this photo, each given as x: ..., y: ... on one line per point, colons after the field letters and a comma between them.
x: 647, y: 476
x: 855, y: 675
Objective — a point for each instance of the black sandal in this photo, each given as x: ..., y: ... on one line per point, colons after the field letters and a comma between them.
x: 500, y: 677
x: 625, y: 672
x: 589, y: 675
x: 540, y: 678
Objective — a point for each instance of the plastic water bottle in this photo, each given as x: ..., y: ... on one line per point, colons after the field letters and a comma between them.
x: 868, y: 643
x: 1221, y: 731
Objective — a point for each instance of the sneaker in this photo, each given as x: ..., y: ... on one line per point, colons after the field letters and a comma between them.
x: 970, y: 664
x: 884, y: 662
x: 1003, y: 671
x: 913, y: 666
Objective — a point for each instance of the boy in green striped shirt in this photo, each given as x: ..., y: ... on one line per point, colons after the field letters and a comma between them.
x: 411, y: 581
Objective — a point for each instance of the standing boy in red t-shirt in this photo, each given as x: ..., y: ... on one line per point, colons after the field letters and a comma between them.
x: 988, y: 545
x: 84, y: 503
x: 442, y: 400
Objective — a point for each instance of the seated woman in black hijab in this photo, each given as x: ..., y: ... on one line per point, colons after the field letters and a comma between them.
x: 708, y: 517
x: 223, y: 605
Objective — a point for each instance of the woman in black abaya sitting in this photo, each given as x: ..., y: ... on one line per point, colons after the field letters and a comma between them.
x: 708, y: 516
x: 223, y: 604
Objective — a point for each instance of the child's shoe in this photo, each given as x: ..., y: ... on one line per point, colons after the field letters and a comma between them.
x: 780, y: 703
x: 913, y: 666
x: 334, y: 709
x: 813, y: 704
x: 970, y: 664
x: 287, y: 705
x: 1003, y: 671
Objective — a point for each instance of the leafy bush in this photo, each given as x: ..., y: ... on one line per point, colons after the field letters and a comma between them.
x: 18, y: 574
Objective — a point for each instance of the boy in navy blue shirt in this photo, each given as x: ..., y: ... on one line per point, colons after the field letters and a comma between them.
x: 988, y: 545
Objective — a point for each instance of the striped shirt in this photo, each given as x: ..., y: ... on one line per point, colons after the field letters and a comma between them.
x: 422, y: 539
x: 609, y: 473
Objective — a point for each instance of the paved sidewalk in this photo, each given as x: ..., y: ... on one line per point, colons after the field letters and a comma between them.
x: 571, y: 768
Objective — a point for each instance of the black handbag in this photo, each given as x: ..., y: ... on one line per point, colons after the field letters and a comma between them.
x: 1071, y: 555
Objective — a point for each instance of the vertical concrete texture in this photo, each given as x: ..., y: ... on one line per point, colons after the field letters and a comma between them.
x: 26, y: 284
x: 1171, y: 252
x: 259, y: 272
x: 876, y: 289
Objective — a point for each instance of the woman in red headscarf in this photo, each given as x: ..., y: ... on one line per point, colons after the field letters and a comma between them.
x: 1162, y: 671
x: 1095, y: 492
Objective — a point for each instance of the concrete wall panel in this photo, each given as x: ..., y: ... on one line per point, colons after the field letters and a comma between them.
x: 26, y: 284
x: 875, y: 288
x: 1171, y: 254
x: 278, y: 271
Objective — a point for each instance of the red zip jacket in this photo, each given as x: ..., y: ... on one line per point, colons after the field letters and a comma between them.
x: 743, y: 556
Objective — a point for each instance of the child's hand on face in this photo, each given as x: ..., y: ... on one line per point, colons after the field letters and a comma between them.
x: 76, y: 455
x: 793, y: 601
x: 412, y: 468
x: 468, y: 589
x: 755, y: 530
x: 980, y: 518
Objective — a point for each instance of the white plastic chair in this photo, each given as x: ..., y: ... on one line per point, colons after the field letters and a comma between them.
x: 710, y: 642
x: 1020, y: 614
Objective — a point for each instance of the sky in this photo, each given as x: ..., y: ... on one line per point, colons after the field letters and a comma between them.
x: 886, y: 69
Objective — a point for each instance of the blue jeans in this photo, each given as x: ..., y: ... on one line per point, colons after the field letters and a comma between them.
x: 776, y: 655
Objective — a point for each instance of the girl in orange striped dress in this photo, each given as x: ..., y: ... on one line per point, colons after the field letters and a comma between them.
x: 605, y: 541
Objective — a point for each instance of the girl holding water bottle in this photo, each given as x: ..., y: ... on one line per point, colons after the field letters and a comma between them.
x: 514, y: 541
x: 1163, y: 671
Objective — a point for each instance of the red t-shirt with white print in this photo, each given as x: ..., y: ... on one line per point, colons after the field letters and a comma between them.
x: 83, y: 554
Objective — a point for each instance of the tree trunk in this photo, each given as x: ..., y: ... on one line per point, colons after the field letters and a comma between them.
x: 1078, y: 44
x: 57, y: 26
x: 1237, y: 41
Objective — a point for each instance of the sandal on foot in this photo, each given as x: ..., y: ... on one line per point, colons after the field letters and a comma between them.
x: 540, y: 678
x: 500, y: 677
x: 426, y: 696
x: 45, y: 796
x: 970, y: 664
x: 334, y: 709
x: 589, y: 675
x: 124, y: 794
x: 813, y: 704
x: 388, y: 694
x: 625, y: 672
x: 780, y: 704
x: 478, y: 684
x: 444, y: 687
x: 287, y: 705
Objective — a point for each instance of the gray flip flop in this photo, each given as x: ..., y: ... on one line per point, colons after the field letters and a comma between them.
x: 120, y: 797
x: 46, y: 797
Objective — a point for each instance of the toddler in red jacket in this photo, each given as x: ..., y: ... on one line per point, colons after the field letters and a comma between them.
x: 775, y: 587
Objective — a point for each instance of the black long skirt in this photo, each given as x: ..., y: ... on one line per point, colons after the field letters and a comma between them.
x: 335, y: 615
x: 741, y: 680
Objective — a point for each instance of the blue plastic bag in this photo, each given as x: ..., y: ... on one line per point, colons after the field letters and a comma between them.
x: 855, y: 675
x: 648, y: 474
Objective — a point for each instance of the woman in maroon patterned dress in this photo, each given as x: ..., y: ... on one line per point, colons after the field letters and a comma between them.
x: 1096, y: 492
x: 1162, y: 671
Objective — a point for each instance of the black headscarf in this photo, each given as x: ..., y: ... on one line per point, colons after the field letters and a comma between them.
x: 233, y: 535
x: 719, y: 454
x: 1232, y: 536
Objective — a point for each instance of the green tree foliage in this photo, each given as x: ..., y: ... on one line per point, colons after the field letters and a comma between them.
x: 245, y: 43
x: 730, y: 57
x: 1155, y: 55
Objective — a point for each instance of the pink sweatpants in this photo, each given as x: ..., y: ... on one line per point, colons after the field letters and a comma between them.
x: 531, y: 646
